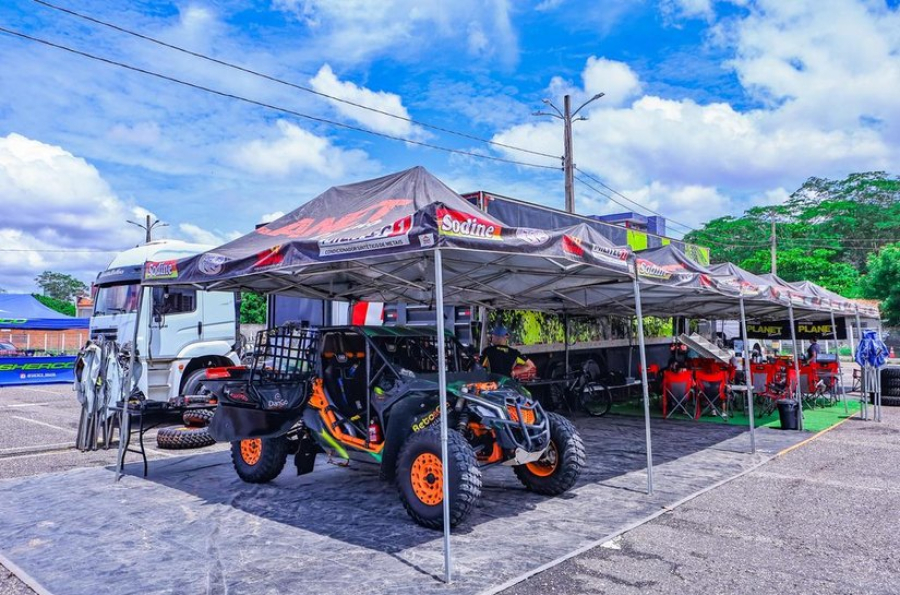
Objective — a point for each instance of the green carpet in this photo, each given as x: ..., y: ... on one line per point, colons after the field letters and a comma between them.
x: 814, y: 420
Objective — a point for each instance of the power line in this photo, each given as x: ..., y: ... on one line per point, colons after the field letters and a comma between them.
x: 284, y: 82
x: 268, y: 105
x: 617, y: 193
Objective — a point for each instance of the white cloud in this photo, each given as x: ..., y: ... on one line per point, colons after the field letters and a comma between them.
x: 58, y: 213
x: 196, y: 234
x: 548, y: 5
x: 294, y: 150
x: 687, y: 8
x: 326, y: 82
x: 827, y: 77
x: 352, y: 31
x: 615, y: 79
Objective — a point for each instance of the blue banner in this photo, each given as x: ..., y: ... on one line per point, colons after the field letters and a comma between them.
x: 37, y: 370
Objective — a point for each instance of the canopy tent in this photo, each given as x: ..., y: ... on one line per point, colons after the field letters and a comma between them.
x: 22, y: 311
x: 408, y: 237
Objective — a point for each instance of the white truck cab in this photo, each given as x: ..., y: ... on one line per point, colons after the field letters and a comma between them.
x: 182, y: 331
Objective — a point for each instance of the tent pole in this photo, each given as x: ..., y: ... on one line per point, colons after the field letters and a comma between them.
x: 644, y: 387
x: 748, y: 378
x: 796, y: 368
x: 566, y: 342
x: 128, y: 388
x: 442, y: 391
x: 864, y: 399
x: 482, y: 339
x: 840, y: 370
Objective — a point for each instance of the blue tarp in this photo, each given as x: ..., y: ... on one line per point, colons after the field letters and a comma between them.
x: 21, y: 311
x: 37, y: 370
x: 871, y: 350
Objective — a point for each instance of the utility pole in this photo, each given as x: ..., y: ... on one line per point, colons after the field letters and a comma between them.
x: 148, y: 227
x: 774, y: 244
x: 568, y: 116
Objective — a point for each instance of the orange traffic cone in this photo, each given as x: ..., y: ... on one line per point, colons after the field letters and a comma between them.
x: 891, y: 353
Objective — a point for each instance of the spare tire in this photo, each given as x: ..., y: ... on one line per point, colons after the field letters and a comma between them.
x: 198, y: 418
x: 183, y: 438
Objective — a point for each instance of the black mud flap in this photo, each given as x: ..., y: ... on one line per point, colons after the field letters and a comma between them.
x: 305, y: 459
x: 240, y: 423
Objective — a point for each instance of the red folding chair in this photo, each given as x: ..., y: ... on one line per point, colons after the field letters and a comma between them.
x: 711, y: 395
x: 678, y: 389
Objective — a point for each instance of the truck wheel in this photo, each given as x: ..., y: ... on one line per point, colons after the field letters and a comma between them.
x: 193, y: 384
x: 420, y: 478
x: 559, y: 468
x: 198, y: 418
x: 183, y: 438
x: 259, y: 460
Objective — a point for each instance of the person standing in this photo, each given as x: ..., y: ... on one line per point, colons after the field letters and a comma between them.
x: 500, y: 358
x: 812, y: 352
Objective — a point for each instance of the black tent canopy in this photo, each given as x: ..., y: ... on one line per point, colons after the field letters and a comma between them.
x: 408, y: 237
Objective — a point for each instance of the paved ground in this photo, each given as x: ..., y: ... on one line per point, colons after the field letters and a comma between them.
x: 821, y: 519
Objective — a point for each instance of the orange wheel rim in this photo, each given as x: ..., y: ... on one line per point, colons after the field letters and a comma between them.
x: 546, y: 465
x: 251, y: 450
x: 427, y: 476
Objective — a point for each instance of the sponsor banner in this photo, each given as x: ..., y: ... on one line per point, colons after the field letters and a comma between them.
x: 572, y: 245
x: 167, y: 269
x: 614, y: 256
x: 36, y: 370
x: 463, y: 225
x: 389, y: 236
x: 780, y: 329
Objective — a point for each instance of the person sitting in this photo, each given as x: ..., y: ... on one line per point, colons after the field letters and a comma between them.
x: 678, y: 353
x: 756, y: 355
x: 500, y: 358
x: 812, y: 352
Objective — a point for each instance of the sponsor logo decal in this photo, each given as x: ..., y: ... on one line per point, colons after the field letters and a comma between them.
x: 614, y: 255
x: 652, y: 271
x: 316, y: 228
x: 532, y: 236
x: 13, y: 321
x: 462, y: 225
x: 112, y: 272
x: 277, y: 402
x: 167, y: 269
x: 572, y: 245
x: 426, y: 421
x: 43, y: 366
x: 269, y: 258
x: 389, y: 236
x: 211, y: 264
x: 769, y: 330
x: 427, y: 240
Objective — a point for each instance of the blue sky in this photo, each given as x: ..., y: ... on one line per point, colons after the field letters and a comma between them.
x: 711, y: 107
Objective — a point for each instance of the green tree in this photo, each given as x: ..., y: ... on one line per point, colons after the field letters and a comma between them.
x: 826, y: 231
x: 60, y: 286
x: 882, y: 282
x: 67, y: 308
x: 253, y: 308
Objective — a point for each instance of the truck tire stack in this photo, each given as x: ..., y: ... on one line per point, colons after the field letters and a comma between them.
x: 194, y: 434
x: 890, y: 386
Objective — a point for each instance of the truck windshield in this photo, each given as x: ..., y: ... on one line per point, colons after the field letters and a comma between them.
x: 116, y: 299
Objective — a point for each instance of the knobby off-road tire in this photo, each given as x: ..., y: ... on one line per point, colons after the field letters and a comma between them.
x: 259, y: 460
x: 420, y: 476
x: 558, y: 470
x: 198, y: 418
x: 183, y: 438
